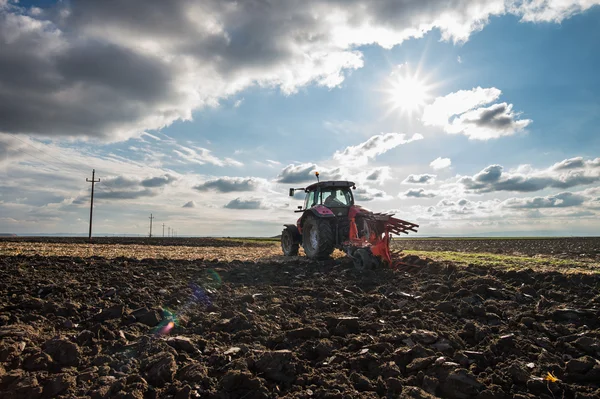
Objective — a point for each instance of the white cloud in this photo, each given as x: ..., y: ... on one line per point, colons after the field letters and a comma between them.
x: 202, y: 156
x: 549, y: 10
x: 462, y: 112
x: 440, y: 163
x: 359, y: 155
x: 443, y: 108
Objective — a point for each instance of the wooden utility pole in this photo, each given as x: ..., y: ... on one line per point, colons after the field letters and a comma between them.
x: 163, y: 230
x: 93, y: 181
x: 151, y: 217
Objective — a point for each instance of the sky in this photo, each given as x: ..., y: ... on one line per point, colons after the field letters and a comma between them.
x: 470, y: 117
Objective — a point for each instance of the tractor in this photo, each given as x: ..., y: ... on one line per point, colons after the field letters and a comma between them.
x: 331, y: 220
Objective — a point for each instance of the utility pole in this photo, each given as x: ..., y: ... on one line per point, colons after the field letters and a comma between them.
x: 163, y: 230
x: 151, y: 217
x: 92, y: 201
x: 168, y: 232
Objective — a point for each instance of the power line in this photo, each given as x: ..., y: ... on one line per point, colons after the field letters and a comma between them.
x: 39, y: 149
x: 93, y: 181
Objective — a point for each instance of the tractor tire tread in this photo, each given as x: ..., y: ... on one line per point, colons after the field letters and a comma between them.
x: 326, y: 242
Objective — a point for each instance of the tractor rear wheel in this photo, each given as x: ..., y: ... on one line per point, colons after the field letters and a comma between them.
x: 318, y: 239
x: 289, y: 245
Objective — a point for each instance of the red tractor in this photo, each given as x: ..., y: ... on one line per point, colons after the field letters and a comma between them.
x: 331, y: 220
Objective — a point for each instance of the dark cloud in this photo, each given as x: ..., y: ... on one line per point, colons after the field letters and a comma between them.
x: 251, y: 203
x: 419, y: 193
x: 113, y: 69
x: 490, y: 174
x: 367, y: 194
x: 189, y: 204
x: 124, y: 195
x: 125, y: 188
x: 376, y: 174
x: 230, y: 184
x: 496, y: 117
x: 293, y: 174
x: 561, y: 200
x: 492, y: 178
x: 159, y: 181
x: 420, y: 179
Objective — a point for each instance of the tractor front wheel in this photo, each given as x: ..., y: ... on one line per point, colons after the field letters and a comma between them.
x: 318, y: 239
x: 289, y: 244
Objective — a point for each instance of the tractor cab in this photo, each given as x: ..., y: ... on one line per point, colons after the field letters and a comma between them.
x: 335, y: 195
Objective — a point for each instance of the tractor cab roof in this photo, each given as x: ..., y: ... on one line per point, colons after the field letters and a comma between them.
x: 339, y: 183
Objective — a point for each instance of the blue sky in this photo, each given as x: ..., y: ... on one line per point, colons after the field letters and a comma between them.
x: 206, y: 119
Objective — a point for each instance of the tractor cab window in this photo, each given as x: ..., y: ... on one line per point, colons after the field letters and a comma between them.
x: 310, y: 201
x: 332, y: 197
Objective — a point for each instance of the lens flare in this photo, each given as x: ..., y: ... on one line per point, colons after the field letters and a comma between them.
x: 208, y: 283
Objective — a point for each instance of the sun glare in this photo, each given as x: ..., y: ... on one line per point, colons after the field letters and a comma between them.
x: 407, y: 93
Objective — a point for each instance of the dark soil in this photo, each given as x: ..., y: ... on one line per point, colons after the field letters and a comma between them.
x: 75, y: 327
x: 568, y: 247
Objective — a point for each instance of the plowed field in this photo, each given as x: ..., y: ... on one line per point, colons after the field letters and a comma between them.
x: 190, y: 321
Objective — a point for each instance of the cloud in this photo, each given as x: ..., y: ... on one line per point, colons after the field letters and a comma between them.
x: 493, y: 178
x: 249, y: 203
x: 561, y: 200
x: 231, y: 184
x: 418, y: 193
x: 202, y: 156
x: 303, y: 173
x: 420, y: 179
x: 462, y: 112
x: 440, y: 163
x: 359, y: 155
x: 127, y: 188
x: 572, y: 163
x: 444, y: 108
x: 488, y: 123
x: 189, y: 204
x: 111, y: 71
x: 293, y: 174
x: 378, y: 175
x: 549, y: 11
x: 124, y: 195
x: 158, y: 181
x: 368, y: 194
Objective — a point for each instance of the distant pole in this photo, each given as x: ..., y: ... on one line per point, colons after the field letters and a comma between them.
x: 163, y: 230
x: 151, y: 217
x: 168, y: 232
x: 92, y: 201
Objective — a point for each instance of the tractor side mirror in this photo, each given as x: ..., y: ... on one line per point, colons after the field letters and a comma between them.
x: 291, y: 192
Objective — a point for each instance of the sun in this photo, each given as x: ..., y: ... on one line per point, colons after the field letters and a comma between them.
x: 407, y: 92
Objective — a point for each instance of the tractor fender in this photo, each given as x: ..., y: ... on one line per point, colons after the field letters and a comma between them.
x: 295, y: 232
